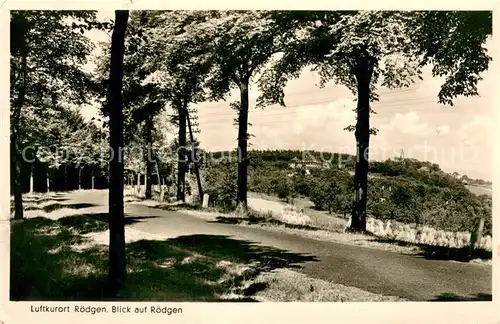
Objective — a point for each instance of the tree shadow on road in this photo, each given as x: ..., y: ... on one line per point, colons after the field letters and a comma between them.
x: 56, y: 206
x: 434, y: 252
x: 224, y: 247
x: 45, y: 265
x: 83, y: 223
x: 43, y: 199
x: 454, y: 297
x: 97, y: 221
x: 252, y: 220
x: 178, y: 206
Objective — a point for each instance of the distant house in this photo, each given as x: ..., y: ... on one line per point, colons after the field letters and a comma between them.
x: 294, y: 163
x: 441, y: 173
x: 306, y: 163
x: 424, y: 169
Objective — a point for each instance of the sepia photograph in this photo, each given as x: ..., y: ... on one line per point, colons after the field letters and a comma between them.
x: 249, y: 156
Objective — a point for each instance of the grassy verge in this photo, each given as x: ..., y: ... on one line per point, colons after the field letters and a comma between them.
x: 392, y: 231
x: 318, y: 219
x: 284, y: 285
x: 393, y: 236
x: 289, y: 221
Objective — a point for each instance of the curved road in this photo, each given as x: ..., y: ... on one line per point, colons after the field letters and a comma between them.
x: 377, y: 271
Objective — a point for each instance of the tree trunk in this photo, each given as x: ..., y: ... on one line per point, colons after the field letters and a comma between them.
x: 31, y: 179
x: 182, y: 156
x: 193, y: 156
x: 79, y: 177
x: 363, y: 72
x: 138, y: 183
x: 16, y: 179
x: 93, y: 182
x: 65, y: 186
x: 148, y: 181
x: 117, y: 264
x: 158, y: 178
x: 242, y: 146
x: 148, y: 157
x: 145, y: 179
x: 48, y: 180
x: 18, y: 193
x: 18, y: 106
x: 161, y: 193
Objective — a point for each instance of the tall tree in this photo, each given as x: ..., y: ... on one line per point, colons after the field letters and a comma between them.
x: 48, y: 50
x: 145, y: 99
x: 240, y: 45
x: 117, y: 266
x: 142, y: 101
x: 368, y: 49
x: 19, y: 31
x: 61, y: 137
x: 182, y: 66
x: 452, y: 42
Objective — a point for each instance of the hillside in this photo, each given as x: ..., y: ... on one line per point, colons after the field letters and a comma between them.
x: 480, y: 190
x: 408, y: 191
x: 425, y: 171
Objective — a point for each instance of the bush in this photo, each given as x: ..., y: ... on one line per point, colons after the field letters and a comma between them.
x: 302, y: 184
x: 405, y: 200
x: 387, y: 168
x: 220, y: 182
x: 333, y: 192
x: 263, y: 179
x: 273, y: 181
x: 284, y: 189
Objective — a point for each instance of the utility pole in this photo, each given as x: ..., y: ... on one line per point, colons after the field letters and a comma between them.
x: 193, y: 155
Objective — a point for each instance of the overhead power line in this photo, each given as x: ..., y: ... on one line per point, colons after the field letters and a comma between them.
x: 406, y: 106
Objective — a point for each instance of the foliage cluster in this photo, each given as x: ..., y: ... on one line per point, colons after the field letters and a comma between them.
x: 407, y: 191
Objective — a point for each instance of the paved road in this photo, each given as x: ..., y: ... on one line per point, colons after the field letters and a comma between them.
x: 377, y: 271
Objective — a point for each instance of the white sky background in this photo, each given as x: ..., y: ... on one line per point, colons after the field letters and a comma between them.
x: 458, y: 138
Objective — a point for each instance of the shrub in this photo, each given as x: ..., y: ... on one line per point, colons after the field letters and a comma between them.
x: 273, y: 181
x: 332, y: 192
x: 264, y: 179
x: 284, y: 189
x: 302, y: 184
x: 406, y: 200
x: 220, y: 182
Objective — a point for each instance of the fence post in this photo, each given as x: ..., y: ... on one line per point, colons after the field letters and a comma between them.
x: 31, y: 179
x: 206, y: 197
x: 476, y: 235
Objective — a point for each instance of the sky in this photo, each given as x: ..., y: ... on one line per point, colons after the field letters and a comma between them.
x: 458, y: 138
